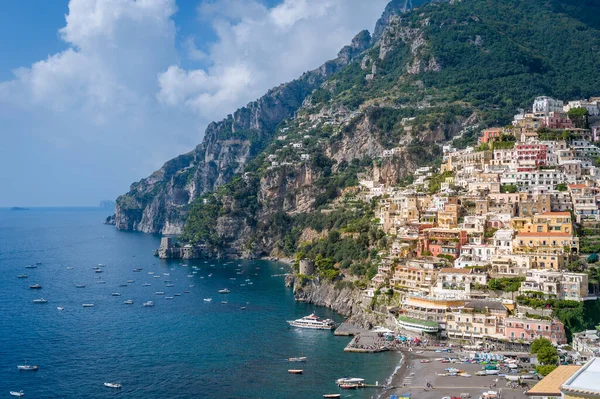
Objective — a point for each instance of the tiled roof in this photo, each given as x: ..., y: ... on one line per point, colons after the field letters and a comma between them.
x: 550, y: 385
x: 482, y: 304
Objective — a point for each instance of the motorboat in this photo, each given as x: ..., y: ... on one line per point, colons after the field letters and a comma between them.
x: 35, y: 287
x: 116, y: 294
x: 191, y: 286
x: 101, y: 282
x: 79, y: 285
x: 295, y: 371
x: 332, y: 395
x: 177, y: 294
x: 168, y: 297
x: 148, y: 304
x: 146, y: 285
x: 60, y: 308
x: 243, y: 308
x: 22, y: 276
x: 15, y: 393
x: 128, y: 302
x: 41, y: 300
x: 190, y: 275
x: 349, y: 386
x: 207, y: 299
x: 88, y: 305
x: 312, y: 321
x: 170, y: 285
x: 224, y: 302
x: 297, y: 359
x: 155, y: 276
x: 137, y: 269
x: 69, y: 267
x: 166, y: 274
x: 28, y: 368
x: 98, y: 270
x: 122, y: 285
x: 31, y: 267
x: 224, y: 291
x: 160, y: 293
x: 112, y: 385
x: 100, y: 265
x: 130, y: 281
x: 150, y: 272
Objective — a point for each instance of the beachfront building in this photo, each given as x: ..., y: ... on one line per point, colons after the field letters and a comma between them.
x: 526, y: 330
x: 584, y: 383
x: 477, y: 319
x: 549, y: 386
x: 419, y: 309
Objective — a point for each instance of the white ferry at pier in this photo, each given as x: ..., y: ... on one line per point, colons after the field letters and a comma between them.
x: 312, y: 321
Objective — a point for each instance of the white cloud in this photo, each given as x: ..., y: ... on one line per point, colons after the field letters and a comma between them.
x: 116, y: 103
x: 259, y: 47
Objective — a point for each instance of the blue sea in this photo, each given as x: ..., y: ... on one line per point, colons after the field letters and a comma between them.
x: 183, y: 347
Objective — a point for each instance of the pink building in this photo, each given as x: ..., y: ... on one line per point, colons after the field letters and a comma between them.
x: 531, y: 153
x: 490, y: 135
x: 557, y: 120
x: 529, y: 329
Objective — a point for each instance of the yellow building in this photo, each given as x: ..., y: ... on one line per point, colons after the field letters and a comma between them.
x: 477, y: 319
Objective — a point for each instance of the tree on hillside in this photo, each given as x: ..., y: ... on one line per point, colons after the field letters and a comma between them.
x: 547, y: 355
x: 579, y: 117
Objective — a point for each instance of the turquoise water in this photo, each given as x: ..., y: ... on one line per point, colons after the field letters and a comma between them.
x: 180, y: 348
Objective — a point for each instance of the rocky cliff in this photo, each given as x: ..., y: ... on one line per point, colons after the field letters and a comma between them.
x: 160, y: 202
x: 347, y: 300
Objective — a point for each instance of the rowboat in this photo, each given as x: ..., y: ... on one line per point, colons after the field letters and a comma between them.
x: 348, y: 386
x: 295, y: 371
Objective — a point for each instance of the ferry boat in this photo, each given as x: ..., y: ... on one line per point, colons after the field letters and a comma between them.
x: 148, y: 304
x: 312, y: 321
x: 35, y: 287
x: 41, y: 300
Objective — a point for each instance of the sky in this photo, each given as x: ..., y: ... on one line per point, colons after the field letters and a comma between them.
x: 97, y: 94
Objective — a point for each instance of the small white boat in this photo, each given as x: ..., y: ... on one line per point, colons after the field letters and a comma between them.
x: 166, y: 274
x: 112, y: 385
x: 190, y: 275
x: 160, y: 293
x: 148, y: 304
x: 297, y: 359
x: 191, y: 285
x: 137, y: 269
x: 99, y: 270
x: 224, y: 291
x: 156, y: 276
x: 28, y: 368
x: 168, y: 297
x: 122, y: 285
x: 79, y: 285
x: 101, y: 282
x: 30, y: 267
x: 60, y: 308
x: 169, y: 285
x: 69, y: 267
x: 15, y: 393
x: 242, y: 285
x: 116, y: 294
x: 177, y: 294
x: 207, y: 299
x: 128, y: 302
x: 22, y: 276
x: 35, y: 287
x: 41, y: 300
x: 88, y: 305
x: 224, y: 302
x: 146, y: 285
x: 210, y: 275
x: 250, y: 283
x: 150, y: 272
x: 131, y: 281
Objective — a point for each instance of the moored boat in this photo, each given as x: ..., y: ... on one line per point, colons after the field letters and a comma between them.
x: 312, y: 321
x: 88, y: 305
x: 160, y: 293
x: 128, y: 302
x: 31, y: 267
x: 348, y: 386
x: 148, y: 304
x: 332, y: 395
x: 146, y: 285
x: 79, y: 285
x: 207, y: 299
x: 17, y: 393
x: 60, y: 308
x: 116, y: 294
x: 357, y: 381
x: 298, y: 371
x: 224, y: 291
x: 41, y: 300
x: 22, y: 276
x: 297, y: 359
x: 112, y: 385
x: 27, y: 367
x: 35, y: 287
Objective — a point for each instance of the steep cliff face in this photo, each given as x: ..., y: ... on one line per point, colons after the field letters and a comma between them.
x: 346, y: 300
x: 160, y: 202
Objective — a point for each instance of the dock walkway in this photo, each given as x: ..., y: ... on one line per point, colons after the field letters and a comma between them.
x: 348, y: 330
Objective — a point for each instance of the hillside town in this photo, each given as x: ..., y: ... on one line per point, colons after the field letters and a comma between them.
x: 483, y: 247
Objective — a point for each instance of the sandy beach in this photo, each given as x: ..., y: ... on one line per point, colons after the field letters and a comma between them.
x: 413, y: 375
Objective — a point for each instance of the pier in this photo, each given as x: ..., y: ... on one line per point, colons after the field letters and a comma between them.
x: 347, y: 330
x: 366, y: 342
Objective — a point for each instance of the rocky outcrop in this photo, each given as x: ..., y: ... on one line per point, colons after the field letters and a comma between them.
x: 344, y: 299
x: 159, y: 203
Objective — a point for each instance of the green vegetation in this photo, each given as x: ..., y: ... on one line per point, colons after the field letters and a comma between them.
x: 547, y: 355
x: 506, y: 284
x: 579, y: 117
x: 435, y: 181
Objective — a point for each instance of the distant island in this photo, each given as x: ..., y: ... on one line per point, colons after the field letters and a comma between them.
x: 107, y: 204
x: 18, y: 208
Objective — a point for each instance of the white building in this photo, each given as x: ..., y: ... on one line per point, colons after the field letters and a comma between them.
x: 546, y: 104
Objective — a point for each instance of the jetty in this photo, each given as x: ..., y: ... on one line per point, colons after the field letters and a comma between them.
x: 347, y: 330
x: 366, y: 342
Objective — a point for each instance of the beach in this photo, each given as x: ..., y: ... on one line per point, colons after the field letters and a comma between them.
x: 413, y: 376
